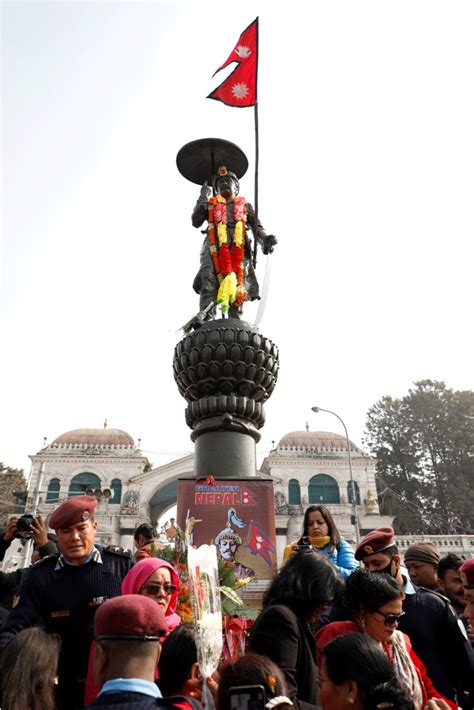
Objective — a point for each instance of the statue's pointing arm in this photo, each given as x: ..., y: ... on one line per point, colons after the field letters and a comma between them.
x: 200, y: 209
x: 266, y: 241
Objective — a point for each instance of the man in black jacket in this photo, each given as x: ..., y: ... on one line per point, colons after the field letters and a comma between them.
x: 65, y: 590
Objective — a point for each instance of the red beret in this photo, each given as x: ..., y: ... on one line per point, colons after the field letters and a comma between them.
x: 467, y: 568
x: 72, y: 511
x: 375, y: 541
x: 131, y: 616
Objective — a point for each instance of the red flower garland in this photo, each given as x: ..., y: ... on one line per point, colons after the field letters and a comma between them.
x: 225, y: 259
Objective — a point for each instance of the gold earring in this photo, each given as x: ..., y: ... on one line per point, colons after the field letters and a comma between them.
x: 351, y: 701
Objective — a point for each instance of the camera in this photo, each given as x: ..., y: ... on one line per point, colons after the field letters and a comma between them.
x: 23, y: 525
x: 303, y: 544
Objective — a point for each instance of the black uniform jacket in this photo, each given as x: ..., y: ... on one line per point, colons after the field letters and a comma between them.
x: 439, y: 640
x: 66, y: 600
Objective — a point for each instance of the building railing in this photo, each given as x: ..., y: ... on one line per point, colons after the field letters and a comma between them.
x: 460, y: 544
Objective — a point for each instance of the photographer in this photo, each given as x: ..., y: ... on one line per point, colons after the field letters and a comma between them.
x: 7, y: 536
x: 44, y: 545
x: 26, y: 527
x: 320, y: 532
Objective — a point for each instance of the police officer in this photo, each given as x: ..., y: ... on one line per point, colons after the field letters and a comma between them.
x: 430, y: 621
x: 128, y: 633
x: 65, y: 590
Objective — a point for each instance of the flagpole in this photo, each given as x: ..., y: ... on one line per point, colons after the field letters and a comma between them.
x: 256, y: 154
x: 256, y: 188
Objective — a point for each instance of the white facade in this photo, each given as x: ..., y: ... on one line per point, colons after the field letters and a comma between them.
x: 107, y: 463
x: 110, y: 456
x: 313, y: 468
x: 102, y: 462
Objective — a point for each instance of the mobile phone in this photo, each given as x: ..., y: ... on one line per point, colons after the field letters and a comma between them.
x: 247, y: 697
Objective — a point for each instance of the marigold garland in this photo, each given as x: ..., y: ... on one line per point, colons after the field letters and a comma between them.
x: 227, y: 291
x: 229, y: 262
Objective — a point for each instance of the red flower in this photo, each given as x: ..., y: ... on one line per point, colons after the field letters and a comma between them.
x: 237, y: 254
x: 240, y: 208
x: 220, y: 212
x: 224, y: 260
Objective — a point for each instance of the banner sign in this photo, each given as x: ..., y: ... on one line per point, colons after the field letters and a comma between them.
x: 238, y: 517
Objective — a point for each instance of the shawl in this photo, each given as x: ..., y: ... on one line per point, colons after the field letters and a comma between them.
x: 405, y: 670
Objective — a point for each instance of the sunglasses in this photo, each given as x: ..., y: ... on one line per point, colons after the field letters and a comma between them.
x: 390, y: 619
x: 154, y: 589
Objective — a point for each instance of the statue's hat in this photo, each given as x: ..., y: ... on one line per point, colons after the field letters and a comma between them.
x: 199, y: 160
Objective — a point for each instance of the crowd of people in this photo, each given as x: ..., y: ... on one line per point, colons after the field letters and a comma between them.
x: 93, y: 626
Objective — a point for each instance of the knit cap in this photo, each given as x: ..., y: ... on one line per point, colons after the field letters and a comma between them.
x: 422, y: 552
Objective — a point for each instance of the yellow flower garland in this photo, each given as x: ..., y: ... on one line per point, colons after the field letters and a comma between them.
x: 231, y: 289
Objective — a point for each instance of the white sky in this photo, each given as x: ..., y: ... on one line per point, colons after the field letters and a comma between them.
x: 366, y: 177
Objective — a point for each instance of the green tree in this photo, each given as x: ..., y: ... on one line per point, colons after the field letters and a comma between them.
x: 11, y: 479
x: 424, y: 444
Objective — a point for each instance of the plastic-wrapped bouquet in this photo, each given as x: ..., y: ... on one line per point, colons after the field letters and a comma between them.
x: 206, y: 605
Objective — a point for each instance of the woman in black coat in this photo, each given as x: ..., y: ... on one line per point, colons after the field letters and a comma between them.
x: 305, y: 585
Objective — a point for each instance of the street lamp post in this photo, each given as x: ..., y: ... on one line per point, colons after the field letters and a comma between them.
x: 354, y: 501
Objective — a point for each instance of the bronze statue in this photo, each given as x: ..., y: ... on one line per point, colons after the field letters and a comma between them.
x: 227, y: 276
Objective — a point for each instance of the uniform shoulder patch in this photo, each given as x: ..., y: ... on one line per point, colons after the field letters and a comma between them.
x: 116, y: 550
x: 48, y: 558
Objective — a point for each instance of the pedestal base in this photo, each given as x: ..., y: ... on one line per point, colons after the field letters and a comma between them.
x: 225, y: 370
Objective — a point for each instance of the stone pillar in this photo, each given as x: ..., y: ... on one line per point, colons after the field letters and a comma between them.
x: 225, y: 370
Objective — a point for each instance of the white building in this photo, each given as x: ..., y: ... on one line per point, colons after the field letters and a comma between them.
x: 101, y: 462
x: 307, y: 468
x: 312, y: 467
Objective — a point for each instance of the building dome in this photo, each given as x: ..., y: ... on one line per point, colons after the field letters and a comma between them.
x: 94, y: 437
x: 324, y: 441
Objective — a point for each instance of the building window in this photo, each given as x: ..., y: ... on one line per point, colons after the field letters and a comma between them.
x: 116, y: 486
x: 294, y: 493
x: 52, y: 494
x: 350, y: 497
x: 82, y: 482
x: 323, y: 489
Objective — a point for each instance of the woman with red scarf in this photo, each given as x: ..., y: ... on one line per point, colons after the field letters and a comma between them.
x: 375, y: 601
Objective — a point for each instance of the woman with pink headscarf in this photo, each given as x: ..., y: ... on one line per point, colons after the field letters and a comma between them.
x: 156, y: 579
